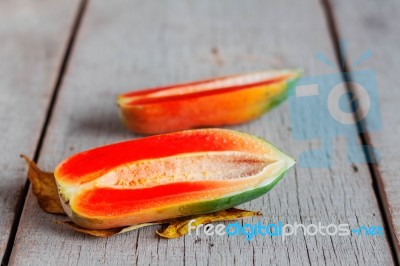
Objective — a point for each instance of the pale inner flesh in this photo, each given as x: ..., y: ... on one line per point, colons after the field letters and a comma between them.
x: 218, y: 84
x: 189, y: 167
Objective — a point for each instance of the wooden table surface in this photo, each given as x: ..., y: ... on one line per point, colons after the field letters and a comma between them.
x: 62, y: 64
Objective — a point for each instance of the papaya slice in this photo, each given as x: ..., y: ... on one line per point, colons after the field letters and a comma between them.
x: 167, y: 176
x: 221, y: 101
x: 45, y: 189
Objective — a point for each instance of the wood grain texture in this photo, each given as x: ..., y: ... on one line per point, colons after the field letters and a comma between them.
x: 375, y: 26
x: 127, y: 45
x: 32, y: 39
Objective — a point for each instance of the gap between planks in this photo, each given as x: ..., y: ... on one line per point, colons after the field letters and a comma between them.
x: 365, y: 139
x: 60, y: 74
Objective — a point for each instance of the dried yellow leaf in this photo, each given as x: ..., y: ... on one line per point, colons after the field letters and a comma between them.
x: 179, y: 227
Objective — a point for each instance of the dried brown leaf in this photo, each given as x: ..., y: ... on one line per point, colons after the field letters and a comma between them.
x: 176, y: 227
x: 44, y: 188
x: 103, y: 232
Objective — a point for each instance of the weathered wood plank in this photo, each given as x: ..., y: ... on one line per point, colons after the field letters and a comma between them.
x: 375, y: 26
x: 33, y: 35
x: 127, y: 44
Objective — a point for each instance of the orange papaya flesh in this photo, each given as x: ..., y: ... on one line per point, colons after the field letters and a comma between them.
x: 215, y: 102
x: 167, y: 176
